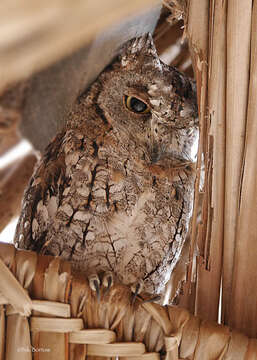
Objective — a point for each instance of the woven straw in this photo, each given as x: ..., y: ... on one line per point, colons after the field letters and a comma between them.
x: 49, y: 312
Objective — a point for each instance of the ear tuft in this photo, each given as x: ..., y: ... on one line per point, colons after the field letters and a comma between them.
x: 137, y: 48
x: 143, y: 43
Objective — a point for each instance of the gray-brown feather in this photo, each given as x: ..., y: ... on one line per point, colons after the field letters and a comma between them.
x: 113, y: 191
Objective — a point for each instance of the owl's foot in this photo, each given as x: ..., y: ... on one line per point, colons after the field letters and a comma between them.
x: 95, y: 283
x: 107, y: 280
x: 136, y: 289
x: 156, y: 298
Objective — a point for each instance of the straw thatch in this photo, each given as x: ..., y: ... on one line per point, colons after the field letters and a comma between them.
x: 66, y: 321
x: 223, y: 40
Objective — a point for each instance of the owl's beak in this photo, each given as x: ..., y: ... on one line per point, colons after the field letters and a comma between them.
x: 157, y: 157
x: 158, y: 154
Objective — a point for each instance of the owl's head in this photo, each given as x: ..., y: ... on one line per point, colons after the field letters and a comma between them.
x: 151, y: 102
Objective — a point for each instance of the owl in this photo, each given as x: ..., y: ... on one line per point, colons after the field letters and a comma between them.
x: 113, y: 190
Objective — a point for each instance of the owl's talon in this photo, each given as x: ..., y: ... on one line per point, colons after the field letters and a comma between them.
x: 107, y: 280
x: 136, y: 290
x: 154, y: 299
x: 94, y: 283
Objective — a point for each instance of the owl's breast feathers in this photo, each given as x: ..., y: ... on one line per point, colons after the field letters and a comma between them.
x: 92, y: 201
x: 113, y: 191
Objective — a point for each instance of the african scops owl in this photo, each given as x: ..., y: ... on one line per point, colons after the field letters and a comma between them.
x: 113, y: 190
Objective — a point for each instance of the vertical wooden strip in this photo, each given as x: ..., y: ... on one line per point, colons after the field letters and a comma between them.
x: 210, y: 262
x: 211, y: 101
x: 244, y: 293
x: 2, y: 332
x: 51, y: 346
x: 197, y: 33
x: 18, y: 344
x: 238, y: 56
x: 55, y: 281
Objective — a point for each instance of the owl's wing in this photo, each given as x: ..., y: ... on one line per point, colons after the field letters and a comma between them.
x: 41, y: 197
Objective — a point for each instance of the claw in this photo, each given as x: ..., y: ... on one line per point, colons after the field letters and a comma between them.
x: 108, y: 280
x: 94, y: 284
x: 155, y: 298
x: 136, y: 290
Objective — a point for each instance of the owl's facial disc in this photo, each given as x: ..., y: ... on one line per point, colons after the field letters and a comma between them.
x: 150, y: 104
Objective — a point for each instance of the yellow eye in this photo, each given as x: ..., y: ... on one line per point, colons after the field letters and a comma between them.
x: 136, y: 105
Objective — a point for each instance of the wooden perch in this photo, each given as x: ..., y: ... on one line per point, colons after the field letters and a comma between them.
x: 62, y: 314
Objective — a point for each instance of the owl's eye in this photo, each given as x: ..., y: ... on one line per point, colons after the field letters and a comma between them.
x: 136, y: 105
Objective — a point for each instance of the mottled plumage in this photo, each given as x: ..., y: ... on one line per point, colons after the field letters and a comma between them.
x: 113, y: 191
